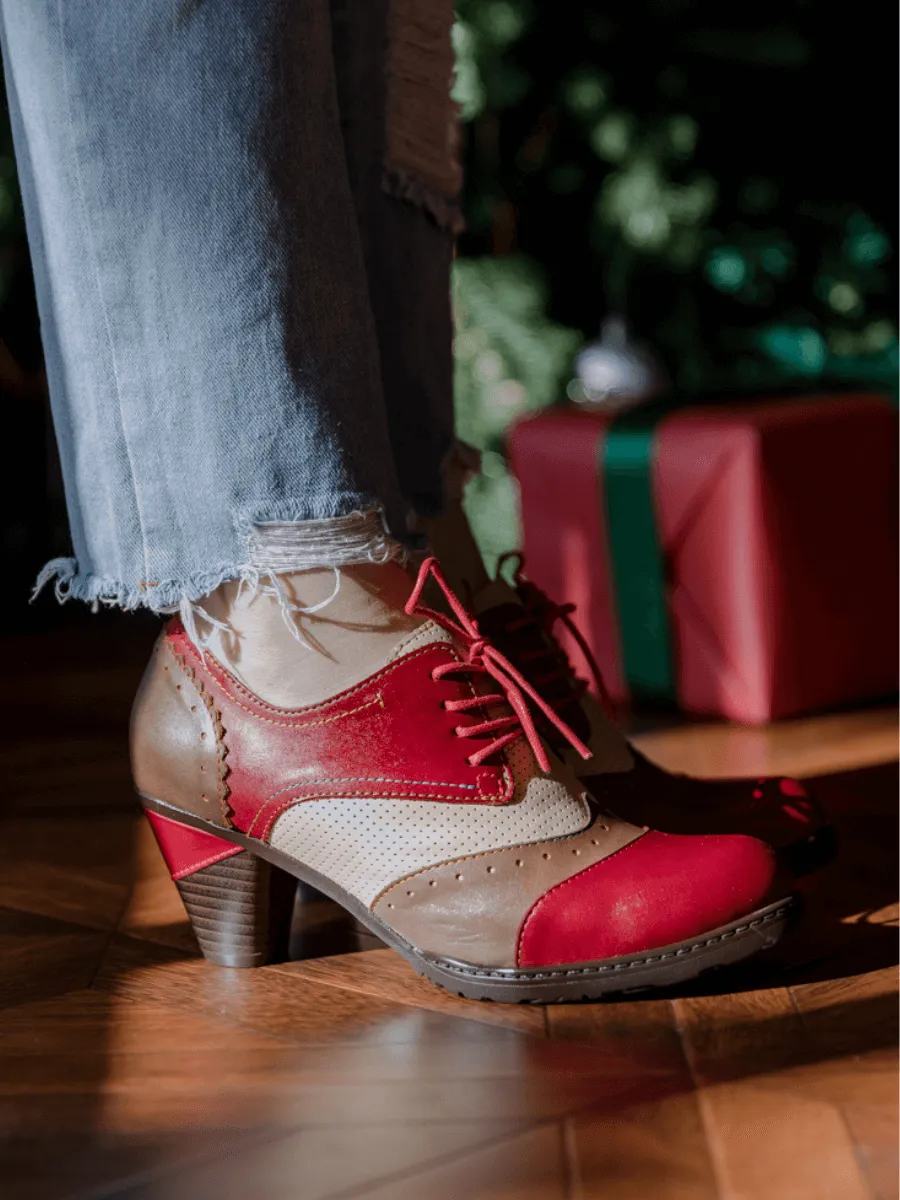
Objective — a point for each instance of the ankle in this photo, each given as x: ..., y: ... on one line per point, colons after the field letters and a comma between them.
x: 292, y: 658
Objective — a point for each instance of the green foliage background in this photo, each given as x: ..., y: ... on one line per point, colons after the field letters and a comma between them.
x: 724, y: 176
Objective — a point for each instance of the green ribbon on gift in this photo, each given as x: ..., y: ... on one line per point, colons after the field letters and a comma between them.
x: 639, y: 579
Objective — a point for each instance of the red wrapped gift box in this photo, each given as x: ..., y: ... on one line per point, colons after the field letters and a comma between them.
x: 774, y: 524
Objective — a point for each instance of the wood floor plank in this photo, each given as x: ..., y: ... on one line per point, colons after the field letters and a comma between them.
x: 385, y: 975
x: 51, y: 1044
x: 808, y: 746
x: 41, y: 956
x: 91, y: 1165
x: 87, y: 1022
x: 267, y: 999
x: 870, y: 1077
x: 324, y: 1162
x: 531, y: 1166
x: 263, y: 1089
x: 61, y: 868
x: 829, y: 1006
x: 655, y: 1150
x: 645, y: 1029
x: 839, y: 1056
x: 874, y: 1130
x: 772, y: 1090
x: 739, y: 1035
x: 781, y: 1147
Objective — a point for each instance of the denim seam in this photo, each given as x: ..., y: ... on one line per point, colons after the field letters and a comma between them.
x: 95, y: 268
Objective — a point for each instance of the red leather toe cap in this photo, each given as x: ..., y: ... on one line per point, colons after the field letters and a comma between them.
x: 660, y: 889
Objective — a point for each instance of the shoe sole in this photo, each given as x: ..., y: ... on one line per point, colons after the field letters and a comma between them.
x: 662, y: 967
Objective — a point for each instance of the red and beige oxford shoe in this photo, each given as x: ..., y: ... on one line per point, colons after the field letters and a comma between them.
x: 423, y: 800
x: 779, y: 811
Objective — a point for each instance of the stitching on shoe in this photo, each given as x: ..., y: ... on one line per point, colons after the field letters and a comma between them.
x: 504, y: 792
x: 378, y: 699
x: 470, y: 787
x: 567, y: 972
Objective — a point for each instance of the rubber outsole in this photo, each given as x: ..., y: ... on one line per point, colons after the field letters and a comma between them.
x: 662, y: 967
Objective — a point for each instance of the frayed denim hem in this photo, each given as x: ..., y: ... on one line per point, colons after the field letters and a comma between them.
x: 280, y: 543
x: 101, y: 592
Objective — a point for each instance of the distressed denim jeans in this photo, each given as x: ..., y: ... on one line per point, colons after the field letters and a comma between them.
x: 240, y: 214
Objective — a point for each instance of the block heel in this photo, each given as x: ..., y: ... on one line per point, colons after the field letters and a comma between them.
x: 239, y: 906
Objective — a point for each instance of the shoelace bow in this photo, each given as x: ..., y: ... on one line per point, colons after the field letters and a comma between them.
x: 542, y: 613
x: 484, y: 659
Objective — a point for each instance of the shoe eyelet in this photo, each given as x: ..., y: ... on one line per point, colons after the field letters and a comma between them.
x: 459, y: 877
x: 545, y: 855
x: 432, y: 883
x: 491, y: 870
x: 576, y: 852
x: 410, y: 893
x: 519, y: 862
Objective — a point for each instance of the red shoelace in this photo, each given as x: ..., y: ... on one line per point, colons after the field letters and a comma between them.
x: 484, y: 659
x: 548, y: 662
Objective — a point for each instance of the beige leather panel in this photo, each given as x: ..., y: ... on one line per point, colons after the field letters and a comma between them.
x: 176, y: 755
x: 471, y: 908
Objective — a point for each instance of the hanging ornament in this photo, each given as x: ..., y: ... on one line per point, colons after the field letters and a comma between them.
x: 616, y: 371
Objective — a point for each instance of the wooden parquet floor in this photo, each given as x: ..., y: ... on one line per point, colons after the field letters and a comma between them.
x: 131, y: 1068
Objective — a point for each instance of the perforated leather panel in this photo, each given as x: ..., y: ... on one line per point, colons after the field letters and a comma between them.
x: 365, y: 845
